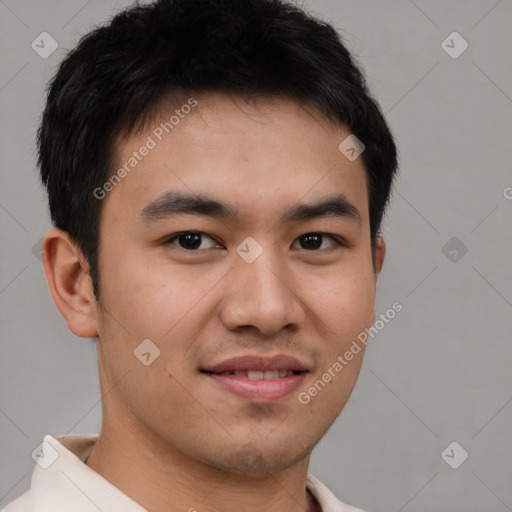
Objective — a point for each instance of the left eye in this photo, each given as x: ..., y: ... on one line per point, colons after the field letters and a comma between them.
x: 192, y: 240
x: 314, y: 240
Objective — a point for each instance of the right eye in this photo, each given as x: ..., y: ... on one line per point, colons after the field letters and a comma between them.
x: 188, y: 240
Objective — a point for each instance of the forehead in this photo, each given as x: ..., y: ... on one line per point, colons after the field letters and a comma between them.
x: 255, y: 155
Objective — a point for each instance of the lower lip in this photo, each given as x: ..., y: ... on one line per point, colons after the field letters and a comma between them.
x: 260, y: 390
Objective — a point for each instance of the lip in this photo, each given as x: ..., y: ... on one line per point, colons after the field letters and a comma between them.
x: 258, y: 363
x: 261, y: 390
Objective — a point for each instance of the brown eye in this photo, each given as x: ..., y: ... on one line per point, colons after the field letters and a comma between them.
x: 313, y: 241
x: 188, y: 240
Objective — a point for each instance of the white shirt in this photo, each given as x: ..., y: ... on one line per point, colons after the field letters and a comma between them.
x: 61, y: 482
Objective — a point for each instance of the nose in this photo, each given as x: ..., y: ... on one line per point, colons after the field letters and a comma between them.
x: 262, y: 295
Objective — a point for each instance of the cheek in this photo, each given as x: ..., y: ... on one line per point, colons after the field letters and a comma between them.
x: 143, y: 302
x: 155, y: 301
x: 344, y: 300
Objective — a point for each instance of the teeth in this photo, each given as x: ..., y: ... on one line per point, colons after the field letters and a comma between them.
x: 253, y: 375
x: 256, y: 375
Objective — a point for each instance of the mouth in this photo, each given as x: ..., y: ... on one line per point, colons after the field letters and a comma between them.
x: 259, y: 375
x: 256, y: 378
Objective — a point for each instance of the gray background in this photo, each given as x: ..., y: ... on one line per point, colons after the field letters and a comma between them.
x: 438, y: 372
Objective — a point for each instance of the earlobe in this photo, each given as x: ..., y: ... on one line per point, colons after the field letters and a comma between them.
x: 70, y: 283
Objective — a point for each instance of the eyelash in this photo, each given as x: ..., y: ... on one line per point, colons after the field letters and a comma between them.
x: 337, y: 241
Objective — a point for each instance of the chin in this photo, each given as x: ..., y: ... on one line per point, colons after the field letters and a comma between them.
x: 251, y: 459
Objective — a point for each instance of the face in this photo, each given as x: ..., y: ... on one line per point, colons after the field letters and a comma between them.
x: 253, y: 277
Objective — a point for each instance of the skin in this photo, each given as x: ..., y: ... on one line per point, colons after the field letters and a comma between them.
x: 170, y: 437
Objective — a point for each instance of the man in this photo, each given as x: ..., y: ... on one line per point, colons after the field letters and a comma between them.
x: 217, y: 175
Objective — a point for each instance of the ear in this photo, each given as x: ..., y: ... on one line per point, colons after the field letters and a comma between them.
x: 380, y: 254
x: 67, y: 272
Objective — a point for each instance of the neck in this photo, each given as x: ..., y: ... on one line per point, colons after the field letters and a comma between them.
x: 158, y: 477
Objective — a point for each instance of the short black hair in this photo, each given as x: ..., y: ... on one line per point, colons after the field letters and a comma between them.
x: 120, y: 72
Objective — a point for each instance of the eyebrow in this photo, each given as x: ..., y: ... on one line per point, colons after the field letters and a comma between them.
x: 175, y: 203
